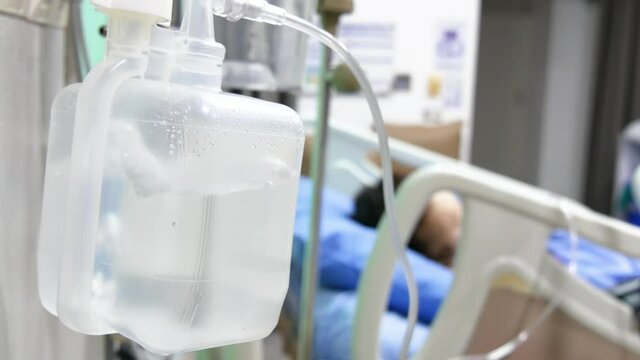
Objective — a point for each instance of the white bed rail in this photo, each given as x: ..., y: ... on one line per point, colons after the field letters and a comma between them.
x: 486, y: 234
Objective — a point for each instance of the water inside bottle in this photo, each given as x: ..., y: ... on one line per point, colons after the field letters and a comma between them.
x: 184, y: 265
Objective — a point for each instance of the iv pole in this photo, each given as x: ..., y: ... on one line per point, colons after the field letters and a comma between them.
x: 330, y: 11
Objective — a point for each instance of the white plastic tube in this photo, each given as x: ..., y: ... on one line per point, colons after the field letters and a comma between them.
x: 85, y: 178
x: 260, y: 10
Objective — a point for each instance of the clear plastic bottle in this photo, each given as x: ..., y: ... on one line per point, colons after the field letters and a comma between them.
x: 198, y: 201
x: 195, y: 194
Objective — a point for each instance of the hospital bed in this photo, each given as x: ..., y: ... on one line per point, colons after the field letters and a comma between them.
x: 517, y: 278
x: 503, y: 274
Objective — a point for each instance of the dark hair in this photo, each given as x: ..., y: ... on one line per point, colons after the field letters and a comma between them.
x: 369, y: 207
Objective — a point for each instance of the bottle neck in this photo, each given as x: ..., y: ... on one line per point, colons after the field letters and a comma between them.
x: 128, y: 34
x: 185, y: 69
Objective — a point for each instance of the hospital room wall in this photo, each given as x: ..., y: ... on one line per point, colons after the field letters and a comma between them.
x: 535, y: 86
x: 417, y: 26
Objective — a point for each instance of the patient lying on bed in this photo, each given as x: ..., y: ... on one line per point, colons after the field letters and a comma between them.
x: 435, y: 236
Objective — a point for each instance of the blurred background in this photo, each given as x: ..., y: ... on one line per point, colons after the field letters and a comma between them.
x: 543, y: 91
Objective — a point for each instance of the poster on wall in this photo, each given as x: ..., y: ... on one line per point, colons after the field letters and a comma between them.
x: 445, y: 83
x: 370, y: 42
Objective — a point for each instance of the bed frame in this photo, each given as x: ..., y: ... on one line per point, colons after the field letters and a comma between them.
x: 502, y: 259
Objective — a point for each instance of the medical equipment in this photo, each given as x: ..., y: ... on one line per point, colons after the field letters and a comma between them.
x: 330, y: 12
x: 77, y: 283
x: 184, y: 167
x: 219, y: 172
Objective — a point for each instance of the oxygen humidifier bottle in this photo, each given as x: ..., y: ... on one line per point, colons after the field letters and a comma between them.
x: 202, y: 187
x: 120, y: 45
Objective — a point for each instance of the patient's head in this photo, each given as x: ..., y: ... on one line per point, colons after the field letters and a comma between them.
x: 436, y: 234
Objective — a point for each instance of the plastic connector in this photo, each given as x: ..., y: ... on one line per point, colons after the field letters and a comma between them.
x: 255, y: 10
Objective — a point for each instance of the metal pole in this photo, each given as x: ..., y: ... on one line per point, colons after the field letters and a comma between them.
x: 320, y: 142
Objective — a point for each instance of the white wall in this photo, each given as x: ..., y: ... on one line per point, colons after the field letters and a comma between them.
x: 416, y: 28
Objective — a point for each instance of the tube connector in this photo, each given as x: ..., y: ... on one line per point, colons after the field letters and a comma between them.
x: 255, y: 10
